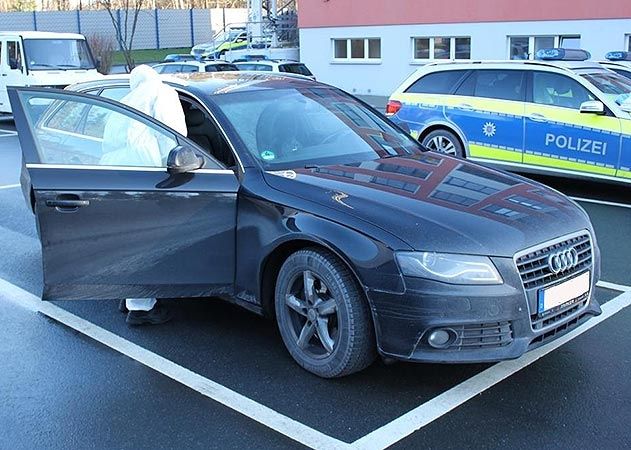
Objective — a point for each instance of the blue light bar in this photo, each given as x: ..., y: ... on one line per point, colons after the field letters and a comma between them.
x: 563, y: 54
x: 618, y: 56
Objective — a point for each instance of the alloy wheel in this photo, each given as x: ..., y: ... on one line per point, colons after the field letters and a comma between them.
x: 442, y: 144
x: 313, y: 314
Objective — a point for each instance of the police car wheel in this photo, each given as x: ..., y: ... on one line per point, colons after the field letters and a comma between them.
x: 443, y: 141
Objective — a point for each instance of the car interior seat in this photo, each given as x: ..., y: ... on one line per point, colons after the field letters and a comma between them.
x: 204, y: 133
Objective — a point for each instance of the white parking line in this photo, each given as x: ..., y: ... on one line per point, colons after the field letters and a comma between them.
x: 613, y: 286
x: 601, y: 202
x: 9, y: 186
x: 233, y: 400
x: 7, y: 133
x: 437, y: 407
x: 379, y: 439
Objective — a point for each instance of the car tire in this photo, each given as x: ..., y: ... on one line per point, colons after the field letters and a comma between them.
x: 341, y: 337
x: 444, y: 141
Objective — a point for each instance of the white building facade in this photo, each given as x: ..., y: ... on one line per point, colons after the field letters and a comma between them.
x: 369, y: 47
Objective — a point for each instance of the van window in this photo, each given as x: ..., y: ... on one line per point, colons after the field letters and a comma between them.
x: 498, y: 84
x: 438, y: 82
x: 558, y: 90
x: 14, y: 55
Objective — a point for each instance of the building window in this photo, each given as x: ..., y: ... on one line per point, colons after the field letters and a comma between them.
x: 357, y: 49
x: 526, y: 47
x: 424, y: 48
x: 628, y: 38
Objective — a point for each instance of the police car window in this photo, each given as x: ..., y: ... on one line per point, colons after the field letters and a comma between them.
x: 624, y: 73
x: 608, y: 82
x: 558, y: 90
x: 499, y: 84
x: 437, y: 82
x: 172, y: 68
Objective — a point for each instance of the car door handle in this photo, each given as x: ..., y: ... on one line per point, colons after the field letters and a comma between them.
x: 67, y: 205
x: 537, y: 117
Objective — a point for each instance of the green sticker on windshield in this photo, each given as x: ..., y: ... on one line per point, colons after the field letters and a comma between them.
x: 268, y: 155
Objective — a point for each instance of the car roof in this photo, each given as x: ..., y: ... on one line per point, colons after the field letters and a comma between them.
x: 41, y: 35
x: 214, y: 83
x: 269, y: 62
x: 468, y: 64
x: 191, y: 62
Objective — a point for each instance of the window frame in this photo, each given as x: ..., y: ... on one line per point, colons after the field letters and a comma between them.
x: 349, y: 59
x: 558, y: 39
x: 432, y: 48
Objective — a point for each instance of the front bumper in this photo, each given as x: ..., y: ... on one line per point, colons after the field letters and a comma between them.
x: 489, y: 323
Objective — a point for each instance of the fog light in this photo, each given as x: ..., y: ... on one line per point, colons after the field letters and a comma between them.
x: 440, y: 338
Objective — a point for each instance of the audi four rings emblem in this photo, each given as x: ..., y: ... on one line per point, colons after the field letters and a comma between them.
x: 563, y: 260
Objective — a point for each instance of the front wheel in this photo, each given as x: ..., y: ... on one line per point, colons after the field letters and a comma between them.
x: 322, y: 315
x: 443, y: 141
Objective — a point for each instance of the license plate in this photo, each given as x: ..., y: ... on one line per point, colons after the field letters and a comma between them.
x: 562, y: 293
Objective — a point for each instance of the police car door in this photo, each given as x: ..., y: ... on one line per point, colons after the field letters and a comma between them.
x: 489, y: 110
x: 560, y: 136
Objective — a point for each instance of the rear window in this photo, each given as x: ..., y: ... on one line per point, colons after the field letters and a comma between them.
x: 299, y: 69
x: 438, y: 82
x: 498, y: 84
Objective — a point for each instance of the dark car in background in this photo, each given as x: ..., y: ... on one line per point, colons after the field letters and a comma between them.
x: 299, y: 202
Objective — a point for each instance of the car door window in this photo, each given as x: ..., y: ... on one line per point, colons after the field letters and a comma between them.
x: 558, y: 90
x: 172, y: 68
x: 115, y: 136
x: 438, y: 82
x: 496, y: 84
x: 115, y: 93
x: 188, y: 68
x: 211, y: 68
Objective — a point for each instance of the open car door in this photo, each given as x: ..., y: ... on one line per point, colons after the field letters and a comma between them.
x: 112, y: 223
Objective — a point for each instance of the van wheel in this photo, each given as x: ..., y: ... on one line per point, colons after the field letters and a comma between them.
x: 322, y: 315
x: 444, y: 141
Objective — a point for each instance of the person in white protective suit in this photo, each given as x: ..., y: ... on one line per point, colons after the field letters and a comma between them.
x: 131, y: 143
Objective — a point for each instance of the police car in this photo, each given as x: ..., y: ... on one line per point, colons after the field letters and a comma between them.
x: 619, y: 62
x: 560, y: 113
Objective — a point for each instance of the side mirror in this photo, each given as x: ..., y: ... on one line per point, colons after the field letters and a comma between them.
x: 183, y: 159
x: 592, y: 107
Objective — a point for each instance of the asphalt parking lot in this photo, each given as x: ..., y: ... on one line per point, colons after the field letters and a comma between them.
x: 73, y: 375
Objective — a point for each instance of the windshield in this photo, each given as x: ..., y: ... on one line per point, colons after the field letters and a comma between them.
x: 613, y: 85
x: 66, y: 54
x: 296, y: 128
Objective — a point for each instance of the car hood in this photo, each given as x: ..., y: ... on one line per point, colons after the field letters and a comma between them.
x: 439, y: 203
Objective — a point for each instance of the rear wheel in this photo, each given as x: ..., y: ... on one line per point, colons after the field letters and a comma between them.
x: 443, y: 141
x: 322, y: 315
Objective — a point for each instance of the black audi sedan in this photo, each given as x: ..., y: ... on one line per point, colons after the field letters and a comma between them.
x: 300, y: 202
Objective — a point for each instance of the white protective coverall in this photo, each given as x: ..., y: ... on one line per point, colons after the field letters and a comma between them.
x: 131, y: 143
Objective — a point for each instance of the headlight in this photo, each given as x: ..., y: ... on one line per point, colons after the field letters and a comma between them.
x: 449, y: 268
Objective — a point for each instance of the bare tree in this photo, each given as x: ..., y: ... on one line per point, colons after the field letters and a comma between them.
x: 121, y: 13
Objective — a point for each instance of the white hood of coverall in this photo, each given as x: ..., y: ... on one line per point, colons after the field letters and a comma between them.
x: 130, y: 142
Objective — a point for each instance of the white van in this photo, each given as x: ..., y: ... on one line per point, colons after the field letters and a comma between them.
x: 37, y: 58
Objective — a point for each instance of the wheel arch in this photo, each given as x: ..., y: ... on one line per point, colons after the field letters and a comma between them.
x: 272, y: 263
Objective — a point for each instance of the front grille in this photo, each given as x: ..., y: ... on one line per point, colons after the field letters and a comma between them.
x: 533, y: 266
x: 549, y: 335
x: 486, y: 335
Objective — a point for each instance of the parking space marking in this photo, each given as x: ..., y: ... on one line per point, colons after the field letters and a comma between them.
x: 437, y: 407
x: 260, y: 413
x: 601, y: 202
x: 9, y: 186
x: 7, y: 133
x: 613, y: 286
x: 378, y: 439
